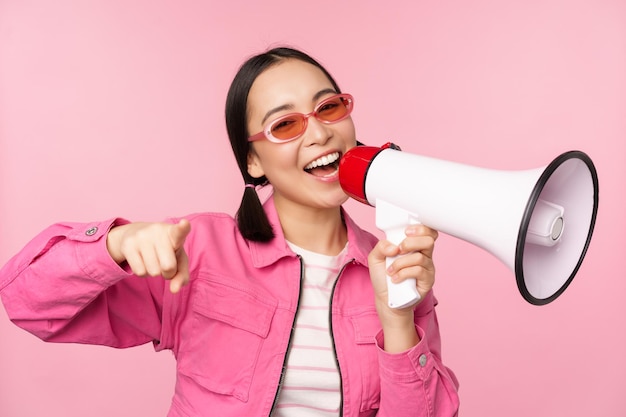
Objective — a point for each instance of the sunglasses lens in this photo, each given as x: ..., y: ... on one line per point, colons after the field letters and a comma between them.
x: 334, y: 109
x: 288, y: 127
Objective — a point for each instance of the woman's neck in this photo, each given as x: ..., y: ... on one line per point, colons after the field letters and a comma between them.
x: 317, y: 230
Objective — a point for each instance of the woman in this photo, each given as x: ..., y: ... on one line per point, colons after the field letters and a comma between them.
x: 281, y: 311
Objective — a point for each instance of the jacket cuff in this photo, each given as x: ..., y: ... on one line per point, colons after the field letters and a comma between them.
x: 411, y: 365
x: 95, y: 259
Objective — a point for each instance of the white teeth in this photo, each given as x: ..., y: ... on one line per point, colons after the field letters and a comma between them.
x: 324, y: 160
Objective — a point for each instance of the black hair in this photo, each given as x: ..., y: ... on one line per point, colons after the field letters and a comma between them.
x: 251, y: 219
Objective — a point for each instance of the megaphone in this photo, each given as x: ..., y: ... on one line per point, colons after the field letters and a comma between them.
x: 538, y: 222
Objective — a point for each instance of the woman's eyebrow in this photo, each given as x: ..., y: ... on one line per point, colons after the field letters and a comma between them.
x: 316, y: 98
x: 322, y: 93
x: 276, y: 110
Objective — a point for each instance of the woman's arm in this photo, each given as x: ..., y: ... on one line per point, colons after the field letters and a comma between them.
x: 416, y: 383
x: 65, y: 287
x: 414, y: 380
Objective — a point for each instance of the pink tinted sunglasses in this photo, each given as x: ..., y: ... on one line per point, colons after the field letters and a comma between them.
x: 291, y: 126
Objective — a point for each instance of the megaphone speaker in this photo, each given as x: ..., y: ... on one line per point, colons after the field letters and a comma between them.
x: 538, y: 222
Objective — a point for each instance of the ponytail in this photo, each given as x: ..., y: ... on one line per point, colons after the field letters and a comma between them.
x: 251, y: 218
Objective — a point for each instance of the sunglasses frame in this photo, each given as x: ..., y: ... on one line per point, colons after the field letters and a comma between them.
x: 267, y: 131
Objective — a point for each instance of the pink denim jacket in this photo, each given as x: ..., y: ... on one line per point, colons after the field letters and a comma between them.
x: 230, y: 328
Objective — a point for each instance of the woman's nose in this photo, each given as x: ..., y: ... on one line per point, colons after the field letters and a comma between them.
x: 317, y: 132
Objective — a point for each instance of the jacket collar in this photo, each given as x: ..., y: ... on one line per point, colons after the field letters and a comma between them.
x: 264, y: 254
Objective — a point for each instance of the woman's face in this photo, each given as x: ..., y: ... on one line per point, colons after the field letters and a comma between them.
x: 288, y: 87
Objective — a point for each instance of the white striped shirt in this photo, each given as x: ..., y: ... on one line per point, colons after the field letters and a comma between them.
x: 311, y: 386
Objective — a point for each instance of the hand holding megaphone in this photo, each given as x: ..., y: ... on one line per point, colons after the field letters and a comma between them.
x: 403, y: 271
x: 393, y: 221
x: 538, y: 222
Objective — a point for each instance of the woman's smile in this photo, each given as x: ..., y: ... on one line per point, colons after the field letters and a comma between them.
x: 325, y: 166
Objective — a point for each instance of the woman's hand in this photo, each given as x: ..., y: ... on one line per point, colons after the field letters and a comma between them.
x: 153, y: 249
x: 414, y: 260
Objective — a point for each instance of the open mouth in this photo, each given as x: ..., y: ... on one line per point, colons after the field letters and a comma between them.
x: 324, y: 166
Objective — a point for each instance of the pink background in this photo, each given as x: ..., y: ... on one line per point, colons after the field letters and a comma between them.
x: 116, y: 108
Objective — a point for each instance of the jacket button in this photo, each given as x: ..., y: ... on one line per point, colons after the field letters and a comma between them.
x: 423, y: 360
x: 92, y: 231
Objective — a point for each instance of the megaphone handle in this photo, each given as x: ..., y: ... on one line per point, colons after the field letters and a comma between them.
x: 401, y: 294
x: 393, y: 221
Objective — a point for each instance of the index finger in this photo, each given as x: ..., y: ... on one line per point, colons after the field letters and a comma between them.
x: 419, y: 239
x: 421, y: 230
x: 178, y: 233
x: 182, y: 275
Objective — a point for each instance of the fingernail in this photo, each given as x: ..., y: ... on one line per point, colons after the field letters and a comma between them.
x: 411, y: 230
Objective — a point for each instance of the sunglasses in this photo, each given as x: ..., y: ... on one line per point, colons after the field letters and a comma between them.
x: 291, y: 126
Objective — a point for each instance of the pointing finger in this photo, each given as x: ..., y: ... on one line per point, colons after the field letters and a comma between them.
x: 178, y: 233
x: 181, y: 278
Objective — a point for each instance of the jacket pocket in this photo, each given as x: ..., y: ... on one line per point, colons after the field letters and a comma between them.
x: 365, y: 326
x: 229, y: 328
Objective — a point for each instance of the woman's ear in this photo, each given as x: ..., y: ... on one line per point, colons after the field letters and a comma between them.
x: 254, y: 165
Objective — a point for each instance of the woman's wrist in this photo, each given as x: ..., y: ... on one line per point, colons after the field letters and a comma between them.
x: 113, y: 244
x: 399, y: 330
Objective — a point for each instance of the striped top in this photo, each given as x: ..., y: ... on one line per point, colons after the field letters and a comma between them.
x: 311, y: 386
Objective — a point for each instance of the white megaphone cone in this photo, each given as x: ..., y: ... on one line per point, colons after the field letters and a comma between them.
x: 538, y: 222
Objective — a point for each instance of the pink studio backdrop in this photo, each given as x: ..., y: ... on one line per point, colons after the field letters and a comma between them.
x: 115, y: 108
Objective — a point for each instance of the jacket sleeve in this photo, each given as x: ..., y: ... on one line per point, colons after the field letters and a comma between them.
x: 416, y: 383
x: 64, y: 287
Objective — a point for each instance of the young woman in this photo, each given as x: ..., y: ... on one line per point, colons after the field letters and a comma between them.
x: 279, y: 311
